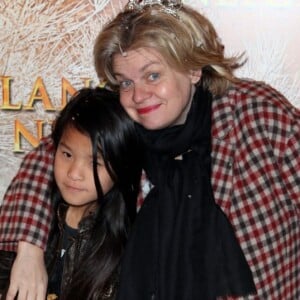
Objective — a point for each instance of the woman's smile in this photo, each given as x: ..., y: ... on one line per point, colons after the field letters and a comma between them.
x: 148, y: 109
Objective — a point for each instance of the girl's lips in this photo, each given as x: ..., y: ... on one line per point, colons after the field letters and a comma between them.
x: 147, y: 109
x: 73, y: 188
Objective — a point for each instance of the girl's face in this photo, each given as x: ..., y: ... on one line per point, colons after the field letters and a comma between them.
x: 73, y: 169
x: 153, y: 94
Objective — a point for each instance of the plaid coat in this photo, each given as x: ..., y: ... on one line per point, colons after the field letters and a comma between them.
x: 255, y: 177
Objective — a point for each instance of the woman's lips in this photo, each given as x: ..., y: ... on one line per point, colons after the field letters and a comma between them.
x: 147, y: 109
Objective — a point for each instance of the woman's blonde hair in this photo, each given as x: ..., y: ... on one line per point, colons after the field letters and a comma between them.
x: 187, y: 41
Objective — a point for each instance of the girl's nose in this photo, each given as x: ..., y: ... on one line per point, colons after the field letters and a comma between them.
x: 75, y: 172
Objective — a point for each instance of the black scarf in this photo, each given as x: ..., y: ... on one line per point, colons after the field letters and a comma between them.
x: 182, y: 246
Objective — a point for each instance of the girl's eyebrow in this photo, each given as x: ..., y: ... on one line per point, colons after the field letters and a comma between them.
x: 90, y: 156
x: 62, y: 143
x: 65, y: 145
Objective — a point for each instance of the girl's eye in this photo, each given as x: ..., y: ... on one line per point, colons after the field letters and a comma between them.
x: 125, y: 85
x: 99, y: 163
x: 154, y: 76
x: 66, y: 154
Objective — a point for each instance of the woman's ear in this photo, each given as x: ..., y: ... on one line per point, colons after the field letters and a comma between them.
x: 195, y: 76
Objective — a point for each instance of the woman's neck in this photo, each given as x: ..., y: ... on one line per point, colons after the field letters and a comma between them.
x: 184, y: 114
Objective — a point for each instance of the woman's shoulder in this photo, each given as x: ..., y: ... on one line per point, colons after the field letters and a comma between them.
x: 252, y: 96
x: 254, y: 103
x: 44, y: 150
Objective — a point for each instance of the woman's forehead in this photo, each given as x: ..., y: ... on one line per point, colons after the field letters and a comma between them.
x: 138, y: 59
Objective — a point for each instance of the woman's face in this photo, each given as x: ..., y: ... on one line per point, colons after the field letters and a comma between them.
x: 153, y: 94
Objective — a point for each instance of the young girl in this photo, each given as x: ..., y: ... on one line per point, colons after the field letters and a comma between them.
x: 97, y: 174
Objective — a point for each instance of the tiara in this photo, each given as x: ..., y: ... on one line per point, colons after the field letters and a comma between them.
x: 167, y: 6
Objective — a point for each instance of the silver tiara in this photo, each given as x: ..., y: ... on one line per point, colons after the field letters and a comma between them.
x: 167, y: 6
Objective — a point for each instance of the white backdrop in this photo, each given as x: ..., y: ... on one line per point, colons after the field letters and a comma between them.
x: 45, y: 42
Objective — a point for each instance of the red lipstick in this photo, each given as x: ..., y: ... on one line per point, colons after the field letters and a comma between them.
x: 147, y: 109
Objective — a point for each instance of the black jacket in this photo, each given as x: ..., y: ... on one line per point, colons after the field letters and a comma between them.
x: 6, y: 260
x: 73, y: 254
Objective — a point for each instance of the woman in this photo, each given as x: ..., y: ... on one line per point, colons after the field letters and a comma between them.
x: 175, y: 82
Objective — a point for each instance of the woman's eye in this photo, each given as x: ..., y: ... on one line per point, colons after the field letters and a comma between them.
x: 154, y: 76
x: 125, y: 84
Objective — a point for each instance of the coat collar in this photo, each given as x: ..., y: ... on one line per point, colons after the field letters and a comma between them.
x: 85, y: 224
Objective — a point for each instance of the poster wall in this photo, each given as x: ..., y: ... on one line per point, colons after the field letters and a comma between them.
x: 46, y: 55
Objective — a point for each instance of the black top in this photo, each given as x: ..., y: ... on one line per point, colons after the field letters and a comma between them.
x: 68, y: 236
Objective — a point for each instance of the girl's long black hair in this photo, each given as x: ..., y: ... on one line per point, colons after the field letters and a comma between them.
x: 98, y: 114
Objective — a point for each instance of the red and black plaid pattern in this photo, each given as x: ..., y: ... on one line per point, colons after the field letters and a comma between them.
x: 26, y: 209
x: 256, y: 181
x: 255, y: 177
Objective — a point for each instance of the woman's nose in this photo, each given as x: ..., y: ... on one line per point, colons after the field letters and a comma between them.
x: 141, y: 93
